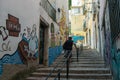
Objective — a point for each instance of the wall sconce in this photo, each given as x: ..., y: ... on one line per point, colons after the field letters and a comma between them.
x: 58, y: 32
x: 58, y: 9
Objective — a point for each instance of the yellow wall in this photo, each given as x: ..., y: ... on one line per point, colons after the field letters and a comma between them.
x: 77, y: 24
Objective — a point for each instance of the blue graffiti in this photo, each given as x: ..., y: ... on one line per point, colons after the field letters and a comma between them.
x: 12, y: 59
x: 1, y: 68
x: 54, y: 52
x: 76, y: 38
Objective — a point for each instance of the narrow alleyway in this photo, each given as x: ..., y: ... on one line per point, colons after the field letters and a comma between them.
x: 89, y: 67
x: 32, y: 34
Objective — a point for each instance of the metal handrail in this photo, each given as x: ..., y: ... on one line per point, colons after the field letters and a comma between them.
x: 59, y: 71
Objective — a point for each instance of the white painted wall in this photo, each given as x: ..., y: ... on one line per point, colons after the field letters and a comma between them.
x: 101, y: 12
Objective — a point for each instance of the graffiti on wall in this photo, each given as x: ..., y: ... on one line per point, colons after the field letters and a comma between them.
x: 108, y: 46
x: 108, y: 38
x: 28, y: 46
x: 13, y: 26
x: 8, y: 47
x: 63, y: 26
x: 17, y: 47
x: 3, y: 33
x: 117, y: 57
x: 9, y: 33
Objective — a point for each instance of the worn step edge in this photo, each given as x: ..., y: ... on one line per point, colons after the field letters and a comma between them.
x: 97, y: 76
x: 43, y: 78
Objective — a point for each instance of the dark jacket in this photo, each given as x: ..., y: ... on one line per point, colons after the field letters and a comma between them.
x: 68, y: 45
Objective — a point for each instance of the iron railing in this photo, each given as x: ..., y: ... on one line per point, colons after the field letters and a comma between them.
x: 66, y: 62
x: 49, y: 9
x: 60, y: 70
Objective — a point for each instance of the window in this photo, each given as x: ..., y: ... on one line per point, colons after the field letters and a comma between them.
x: 75, y: 10
x: 52, y: 35
x: 52, y: 28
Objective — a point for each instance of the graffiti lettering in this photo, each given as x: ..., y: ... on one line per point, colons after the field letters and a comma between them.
x: 3, y: 33
x: 6, y: 46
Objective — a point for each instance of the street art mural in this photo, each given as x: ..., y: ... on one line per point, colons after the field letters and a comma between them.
x: 116, y: 58
x: 28, y: 46
x: 13, y: 26
x: 9, y: 37
x: 17, y: 46
x: 3, y: 33
x: 63, y: 26
x: 57, y: 39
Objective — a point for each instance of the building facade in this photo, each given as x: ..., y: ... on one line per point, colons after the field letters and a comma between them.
x: 31, y: 32
x: 19, y: 28
x: 110, y: 30
x: 77, y: 17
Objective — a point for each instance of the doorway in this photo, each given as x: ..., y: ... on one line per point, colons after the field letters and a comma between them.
x: 42, y: 37
x: 43, y: 40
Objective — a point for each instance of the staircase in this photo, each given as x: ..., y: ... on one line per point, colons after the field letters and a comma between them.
x: 90, y: 66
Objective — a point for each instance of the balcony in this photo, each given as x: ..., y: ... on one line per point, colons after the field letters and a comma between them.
x: 49, y: 9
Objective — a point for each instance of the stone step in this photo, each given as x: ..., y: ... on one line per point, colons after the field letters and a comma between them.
x: 43, y: 78
x: 76, y: 70
x: 90, y: 66
x: 79, y: 62
x: 85, y: 57
x: 82, y: 59
x: 75, y: 76
x: 84, y: 65
x: 81, y: 65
